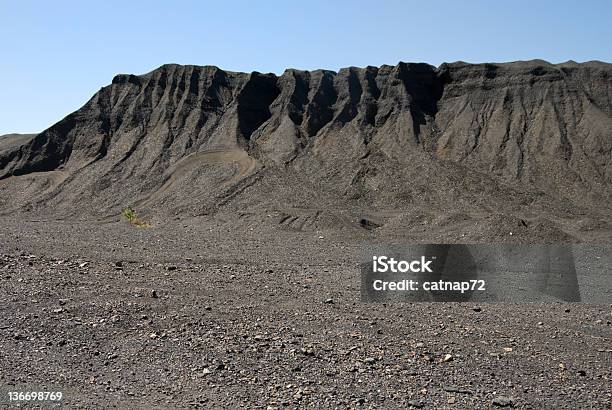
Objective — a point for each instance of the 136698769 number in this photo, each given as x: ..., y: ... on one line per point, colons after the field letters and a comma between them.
x: 35, y: 395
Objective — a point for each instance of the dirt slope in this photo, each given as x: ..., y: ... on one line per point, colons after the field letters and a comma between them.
x: 526, y: 141
x: 10, y: 142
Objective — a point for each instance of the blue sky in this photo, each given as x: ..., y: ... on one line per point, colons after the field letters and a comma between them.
x: 57, y: 54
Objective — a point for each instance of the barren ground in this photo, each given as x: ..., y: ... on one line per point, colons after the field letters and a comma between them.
x: 190, y: 314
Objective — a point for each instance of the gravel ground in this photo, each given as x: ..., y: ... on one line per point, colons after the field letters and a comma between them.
x: 120, y: 317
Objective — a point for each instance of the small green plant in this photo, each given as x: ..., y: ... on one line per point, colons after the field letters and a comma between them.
x: 131, y: 215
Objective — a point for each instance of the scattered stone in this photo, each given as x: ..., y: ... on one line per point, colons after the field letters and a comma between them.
x: 417, y: 404
x: 154, y: 294
x: 329, y: 301
x: 369, y: 360
x: 84, y: 264
x: 447, y: 358
x: 477, y: 309
x: 171, y: 268
x: 503, y: 401
x: 456, y: 389
x: 307, y: 351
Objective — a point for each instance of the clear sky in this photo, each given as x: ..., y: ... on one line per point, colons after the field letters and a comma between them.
x: 56, y: 54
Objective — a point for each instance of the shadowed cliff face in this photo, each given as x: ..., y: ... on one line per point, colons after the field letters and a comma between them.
x: 364, y: 134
